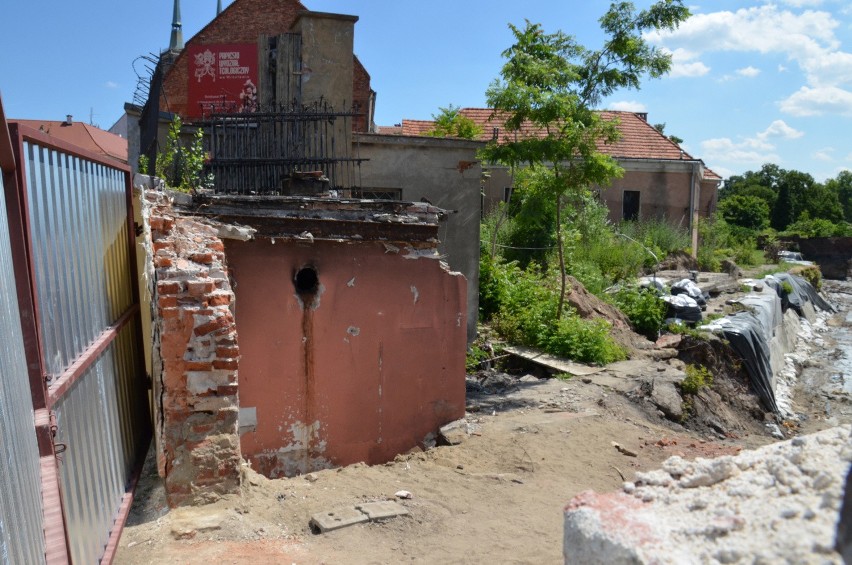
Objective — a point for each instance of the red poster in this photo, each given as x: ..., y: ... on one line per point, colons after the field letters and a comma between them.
x: 222, y: 78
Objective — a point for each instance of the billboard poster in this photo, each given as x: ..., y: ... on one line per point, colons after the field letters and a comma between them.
x: 222, y: 78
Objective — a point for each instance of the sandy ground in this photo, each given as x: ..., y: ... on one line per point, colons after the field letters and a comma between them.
x: 498, y: 497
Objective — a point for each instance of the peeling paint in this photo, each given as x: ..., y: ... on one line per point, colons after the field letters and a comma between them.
x: 353, y: 331
x: 391, y: 248
x: 412, y: 253
x: 416, y: 293
x: 351, y: 282
x: 303, y: 455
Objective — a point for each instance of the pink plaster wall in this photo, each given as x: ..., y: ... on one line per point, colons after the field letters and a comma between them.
x: 374, y: 366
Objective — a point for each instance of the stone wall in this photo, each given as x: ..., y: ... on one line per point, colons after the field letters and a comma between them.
x: 196, y: 357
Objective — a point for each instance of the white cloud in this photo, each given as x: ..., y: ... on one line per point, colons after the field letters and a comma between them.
x: 749, y: 150
x: 779, y: 128
x: 684, y: 65
x: 754, y: 150
x: 817, y: 101
x: 782, y: 69
x: 824, y: 154
x: 111, y: 84
x: 807, y: 38
x: 748, y: 71
x: 627, y: 106
x: 802, y: 3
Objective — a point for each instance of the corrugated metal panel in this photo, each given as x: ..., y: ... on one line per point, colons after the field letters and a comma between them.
x: 78, y: 217
x: 99, y: 422
x: 80, y: 252
x: 21, y: 517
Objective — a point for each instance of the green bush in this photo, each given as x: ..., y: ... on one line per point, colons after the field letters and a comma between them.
x: 643, y: 308
x: 810, y: 273
x: 527, y: 316
x: 697, y: 377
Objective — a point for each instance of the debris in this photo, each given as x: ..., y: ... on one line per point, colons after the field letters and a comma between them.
x: 623, y: 450
x: 382, y: 510
x: 403, y: 494
x: 336, y: 519
x: 311, y: 478
x: 453, y: 433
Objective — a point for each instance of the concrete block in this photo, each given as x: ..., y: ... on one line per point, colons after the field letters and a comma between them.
x: 336, y: 519
x: 382, y: 510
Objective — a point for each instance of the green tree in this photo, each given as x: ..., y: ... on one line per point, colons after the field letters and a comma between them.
x: 552, y: 83
x: 450, y: 122
x: 662, y: 129
x: 181, y: 164
x: 749, y: 212
x: 842, y: 186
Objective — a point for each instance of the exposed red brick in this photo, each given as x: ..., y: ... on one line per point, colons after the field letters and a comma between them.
x: 216, y: 246
x: 205, y: 258
x: 169, y: 287
x: 156, y: 222
x: 199, y: 366
x: 212, y: 326
x: 199, y: 288
x: 162, y: 262
x: 227, y: 390
x: 229, y: 364
x: 227, y: 352
x: 219, y: 300
x: 160, y: 244
x: 167, y: 301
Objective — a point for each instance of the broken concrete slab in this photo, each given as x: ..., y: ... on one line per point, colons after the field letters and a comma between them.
x: 665, y: 396
x: 335, y: 519
x: 382, y: 510
x: 551, y: 362
x: 453, y: 433
x: 188, y: 522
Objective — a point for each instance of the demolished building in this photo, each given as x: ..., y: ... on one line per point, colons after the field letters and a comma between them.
x: 299, y: 322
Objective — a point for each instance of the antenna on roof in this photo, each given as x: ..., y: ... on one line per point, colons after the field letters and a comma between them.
x: 176, y: 41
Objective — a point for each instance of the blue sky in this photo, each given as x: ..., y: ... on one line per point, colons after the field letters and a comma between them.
x: 753, y: 81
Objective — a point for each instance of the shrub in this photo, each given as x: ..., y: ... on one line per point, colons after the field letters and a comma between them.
x: 527, y: 315
x: 811, y: 273
x: 697, y: 377
x: 643, y: 308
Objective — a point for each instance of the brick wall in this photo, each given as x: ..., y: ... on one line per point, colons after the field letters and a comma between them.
x: 195, y: 370
x: 243, y: 22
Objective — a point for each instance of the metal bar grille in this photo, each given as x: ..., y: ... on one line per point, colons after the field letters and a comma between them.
x: 281, y: 152
x: 21, y: 516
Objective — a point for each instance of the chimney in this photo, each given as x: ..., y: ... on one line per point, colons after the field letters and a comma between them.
x: 69, y: 119
x: 643, y: 115
x: 219, y: 7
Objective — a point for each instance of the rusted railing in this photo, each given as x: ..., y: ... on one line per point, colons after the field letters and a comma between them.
x: 293, y: 149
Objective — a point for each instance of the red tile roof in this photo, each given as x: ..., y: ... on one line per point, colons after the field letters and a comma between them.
x: 84, y: 136
x: 639, y: 139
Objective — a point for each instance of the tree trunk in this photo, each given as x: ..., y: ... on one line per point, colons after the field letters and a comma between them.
x: 559, y: 247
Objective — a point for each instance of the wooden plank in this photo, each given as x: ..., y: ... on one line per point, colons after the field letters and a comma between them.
x: 551, y: 362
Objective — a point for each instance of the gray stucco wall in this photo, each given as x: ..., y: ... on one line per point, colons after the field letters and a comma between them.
x: 445, y: 172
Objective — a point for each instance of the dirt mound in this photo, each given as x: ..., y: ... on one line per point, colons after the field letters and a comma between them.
x: 678, y: 261
x: 728, y: 407
x: 588, y: 305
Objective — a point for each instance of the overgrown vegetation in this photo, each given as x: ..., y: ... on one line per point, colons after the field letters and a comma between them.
x: 181, y: 164
x: 450, y: 122
x: 643, y: 308
x: 697, y: 377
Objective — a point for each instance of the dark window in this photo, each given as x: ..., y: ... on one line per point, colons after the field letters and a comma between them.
x: 507, y: 193
x: 630, y: 205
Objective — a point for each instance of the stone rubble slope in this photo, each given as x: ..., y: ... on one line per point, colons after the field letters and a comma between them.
x: 776, y: 504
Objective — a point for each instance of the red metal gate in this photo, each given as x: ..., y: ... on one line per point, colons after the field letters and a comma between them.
x: 73, y: 249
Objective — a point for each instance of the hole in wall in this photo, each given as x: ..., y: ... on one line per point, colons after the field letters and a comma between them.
x: 306, y: 280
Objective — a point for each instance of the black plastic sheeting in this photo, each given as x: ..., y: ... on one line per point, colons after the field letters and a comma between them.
x: 803, y: 292
x: 746, y: 335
